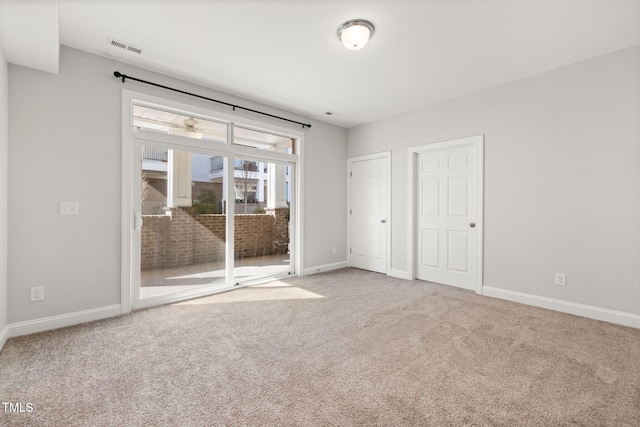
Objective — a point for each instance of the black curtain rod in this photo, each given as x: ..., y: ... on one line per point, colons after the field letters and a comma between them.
x: 118, y: 74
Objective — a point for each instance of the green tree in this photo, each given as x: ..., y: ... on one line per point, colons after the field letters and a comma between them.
x: 206, y: 202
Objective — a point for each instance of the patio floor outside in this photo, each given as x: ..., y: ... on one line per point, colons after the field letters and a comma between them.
x: 162, y: 281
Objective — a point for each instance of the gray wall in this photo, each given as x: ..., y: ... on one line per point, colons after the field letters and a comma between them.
x: 562, y: 178
x: 4, y: 177
x: 65, y: 145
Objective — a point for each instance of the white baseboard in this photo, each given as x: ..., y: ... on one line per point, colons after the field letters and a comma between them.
x: 400, y: 274
x: 592, y: 312
x: 4, y: 336
x: 60, y: 321
x: 323, y: 268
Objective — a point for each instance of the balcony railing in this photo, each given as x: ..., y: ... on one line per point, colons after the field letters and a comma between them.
x: 216, y: 164
x: 241, y: 165
x: 154, y: 153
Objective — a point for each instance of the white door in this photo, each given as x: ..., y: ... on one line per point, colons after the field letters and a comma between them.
x: 368, y: 214
x: 446, y: 216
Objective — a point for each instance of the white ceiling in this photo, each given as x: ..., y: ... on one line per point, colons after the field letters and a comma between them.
x: 29, y: 33
x: 286, y: 52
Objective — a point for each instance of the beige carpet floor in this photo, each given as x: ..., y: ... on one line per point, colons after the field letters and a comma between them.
x: 343, y: 348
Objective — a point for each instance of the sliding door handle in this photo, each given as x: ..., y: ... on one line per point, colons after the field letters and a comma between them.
x: 137, y: 221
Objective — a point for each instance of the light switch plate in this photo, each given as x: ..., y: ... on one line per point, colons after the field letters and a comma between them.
x: 68, y: 208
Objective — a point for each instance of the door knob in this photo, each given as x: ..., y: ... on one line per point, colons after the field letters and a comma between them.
x: 383, y: 221
x: 473, y: 224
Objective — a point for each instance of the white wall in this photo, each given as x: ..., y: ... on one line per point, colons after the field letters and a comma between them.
x: 325, y: 195
x: 65, y: 144
x: 4, y: 154
x: 562, y: 178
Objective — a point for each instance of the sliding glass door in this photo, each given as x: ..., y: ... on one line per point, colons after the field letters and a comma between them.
x: 262, y: 226
x: 182, y: 224
x: 209, y: 215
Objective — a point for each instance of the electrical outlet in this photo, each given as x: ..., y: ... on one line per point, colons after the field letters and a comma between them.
x: 335, y: 250
x: 68, y: 208
x: 37, y: 293
x: 561, y: 279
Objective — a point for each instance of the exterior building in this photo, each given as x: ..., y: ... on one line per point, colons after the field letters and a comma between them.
x: 250, y: 186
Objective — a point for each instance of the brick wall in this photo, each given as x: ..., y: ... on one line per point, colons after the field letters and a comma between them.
x: 280, y: 229
x: 254, y: 235
x: 209, y: 238
x: 155, y: 241
x: 183, y: 238
x: 181, y: 243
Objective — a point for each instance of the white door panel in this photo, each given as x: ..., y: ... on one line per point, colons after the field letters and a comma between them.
x: 458, y: 255
x: 368, y: 210
x: 446, y: 201
x: 430, y: 248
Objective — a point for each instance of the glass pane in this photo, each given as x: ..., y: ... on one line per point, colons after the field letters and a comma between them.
x: 152, y: 119
x: 183, y: 235
x: 262, y: 140
x: 261, y: 220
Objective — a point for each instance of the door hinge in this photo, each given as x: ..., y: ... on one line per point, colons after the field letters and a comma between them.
x: 350, y: 212
x: 349, y: 250
x: 350, y: 173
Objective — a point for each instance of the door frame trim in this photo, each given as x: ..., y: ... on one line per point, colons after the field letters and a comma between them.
x: 477, y: 142
x: 127, y: 217
x: 382, y: 155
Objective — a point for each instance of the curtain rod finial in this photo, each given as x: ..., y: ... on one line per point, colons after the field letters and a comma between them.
x: 119, y: 74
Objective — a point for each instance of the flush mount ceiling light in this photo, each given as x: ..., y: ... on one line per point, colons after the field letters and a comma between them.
x: 356, y: 33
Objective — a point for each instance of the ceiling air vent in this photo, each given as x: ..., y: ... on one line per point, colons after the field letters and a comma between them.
x: 125, y: 46
x: 134, y: 49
